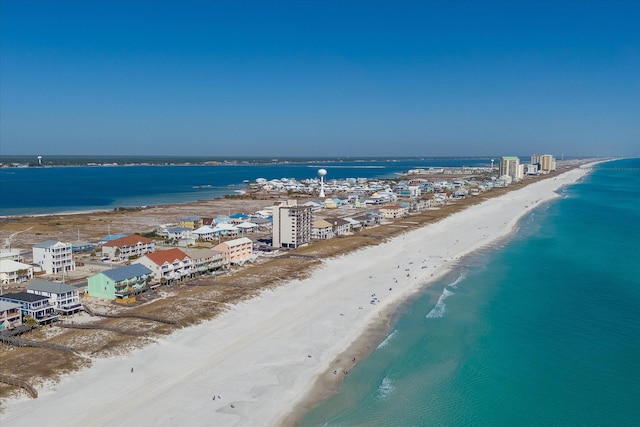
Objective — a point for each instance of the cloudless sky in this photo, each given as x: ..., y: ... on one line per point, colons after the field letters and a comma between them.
x: 307, y: 78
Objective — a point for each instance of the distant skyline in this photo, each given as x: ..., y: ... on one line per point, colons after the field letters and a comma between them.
x: 319, y: 78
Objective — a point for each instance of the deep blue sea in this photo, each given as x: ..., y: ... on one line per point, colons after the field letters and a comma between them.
x: 543, y: 330
x: 29, y: 191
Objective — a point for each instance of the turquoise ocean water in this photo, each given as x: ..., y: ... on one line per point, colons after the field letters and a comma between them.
x: 542, y: 330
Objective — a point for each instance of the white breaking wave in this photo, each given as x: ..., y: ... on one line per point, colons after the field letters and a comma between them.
x: 441, y: 308
x: 387, y: 339
x: 454, y: 285
x: 386, y: 388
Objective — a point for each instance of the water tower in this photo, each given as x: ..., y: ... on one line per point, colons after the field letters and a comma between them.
x: 322, y: 173
x: 39, y: 160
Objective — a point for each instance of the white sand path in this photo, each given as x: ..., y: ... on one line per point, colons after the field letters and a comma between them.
x: 257, y: 354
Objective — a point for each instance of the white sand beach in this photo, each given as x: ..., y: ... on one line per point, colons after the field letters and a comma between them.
x: 262, y: 358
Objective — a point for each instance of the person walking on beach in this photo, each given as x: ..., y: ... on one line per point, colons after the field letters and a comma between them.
x: 132, y: 370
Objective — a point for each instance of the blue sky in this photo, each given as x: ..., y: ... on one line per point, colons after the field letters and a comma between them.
x: 333, y: 78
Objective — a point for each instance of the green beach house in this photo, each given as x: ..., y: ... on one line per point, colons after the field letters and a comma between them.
x: 121, y: 283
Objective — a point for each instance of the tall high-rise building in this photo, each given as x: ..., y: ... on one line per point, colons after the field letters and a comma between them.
x: 291, y: 224
x: 510, y: 165
x: 546, y: 162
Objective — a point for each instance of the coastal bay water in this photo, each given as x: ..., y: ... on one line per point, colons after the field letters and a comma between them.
x: 51, y: 190
x: 541, y: 330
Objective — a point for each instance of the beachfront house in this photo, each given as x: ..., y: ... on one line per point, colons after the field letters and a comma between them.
x: 37, y: 306
x: 168, y: 266
x: 10, y: 315
x: 370, y: 218
x: 191, y: 222
x: 225, y: 229
x: 208, y: 221
x: 205, y: 260
x: 393, y: 211
x: 110, y: 237
x: 128, y: 247
x: 65, y: 298
x: 81, y: 246
x: 54, y: 257
x: 263, y: 223
x: 247, y: 227
x: 354, y: 224
x: 13, y: 272
x: 238, y: 218
x: 179, y: 233
x: 11, y: 255
x: 341, y: 227
x: 237, y: 251
x: 321, y: 229
x: 121, y: 283
x: 315, y: 206
x: 330, y: 203
x: 205, y: 233
x: 222, y: 219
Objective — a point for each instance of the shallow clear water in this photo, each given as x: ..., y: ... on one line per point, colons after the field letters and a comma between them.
x: 541, y: 331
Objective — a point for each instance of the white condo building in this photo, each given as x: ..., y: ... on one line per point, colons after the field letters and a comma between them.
x: 510, y: 166
x: 291, y: 224
x: 546, y: 162
x: 54, y: 257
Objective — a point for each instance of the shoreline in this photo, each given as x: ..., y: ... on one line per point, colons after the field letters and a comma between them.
x: 324, y: 388
x: 294, y: 346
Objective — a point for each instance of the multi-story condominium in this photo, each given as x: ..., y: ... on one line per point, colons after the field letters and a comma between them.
x: 291, y: 225
x: 65, y: 298
x: 236, y: 251
x: 10, y: 315
x: 510, y: 166
x: 205, y: 260
x: 168, y: 266
x: 14, y: 272
x: 121, y: 283
x: 546, y: 162
x: 37, y: 306
x: 54, y: 257
x: 128, y: 247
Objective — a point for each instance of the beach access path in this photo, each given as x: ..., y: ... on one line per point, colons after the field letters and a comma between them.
x: 262, y: 358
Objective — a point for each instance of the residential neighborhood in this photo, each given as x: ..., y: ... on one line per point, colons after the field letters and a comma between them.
x: 53, y: 279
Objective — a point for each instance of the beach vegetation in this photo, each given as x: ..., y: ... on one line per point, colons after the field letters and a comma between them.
x: 30, y: 321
